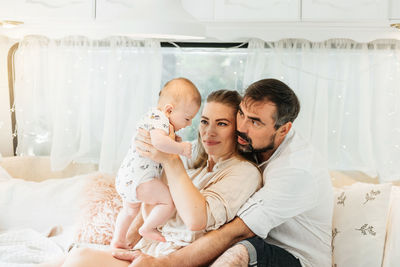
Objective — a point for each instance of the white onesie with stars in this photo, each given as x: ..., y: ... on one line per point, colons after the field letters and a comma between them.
x: 136, y: 169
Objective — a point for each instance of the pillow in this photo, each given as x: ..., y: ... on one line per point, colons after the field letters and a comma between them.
x: 392, y: 246
x: 4, y: 175
x: 359, y: 224
x: 99, y: 212
x: 40, y: 205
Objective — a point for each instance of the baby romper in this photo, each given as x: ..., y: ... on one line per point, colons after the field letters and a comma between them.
x: 136, y: 169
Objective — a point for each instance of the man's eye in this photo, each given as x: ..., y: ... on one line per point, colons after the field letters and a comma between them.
x: 255, y: 123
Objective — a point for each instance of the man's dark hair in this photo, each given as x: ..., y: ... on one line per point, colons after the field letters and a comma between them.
x: 277, y: 92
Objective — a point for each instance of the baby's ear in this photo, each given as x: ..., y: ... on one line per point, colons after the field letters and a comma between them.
x: 168, y: 109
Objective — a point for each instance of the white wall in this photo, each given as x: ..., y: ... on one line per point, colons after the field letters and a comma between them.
x: 6, y: 147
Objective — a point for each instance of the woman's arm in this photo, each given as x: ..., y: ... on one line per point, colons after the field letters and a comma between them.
x: 188, y: 200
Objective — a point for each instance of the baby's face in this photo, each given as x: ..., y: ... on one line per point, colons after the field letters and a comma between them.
x: 182, y: 115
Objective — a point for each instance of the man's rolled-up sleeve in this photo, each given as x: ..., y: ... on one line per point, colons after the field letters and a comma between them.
x: 284, y: 195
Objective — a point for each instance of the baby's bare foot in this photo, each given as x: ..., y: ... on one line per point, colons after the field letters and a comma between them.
x: 153, y: 234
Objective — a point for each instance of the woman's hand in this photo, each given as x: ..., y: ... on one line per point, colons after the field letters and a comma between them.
x: 147, y: 150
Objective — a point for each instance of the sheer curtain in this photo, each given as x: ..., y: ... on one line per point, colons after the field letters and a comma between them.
x: 349, y: 94
x: 79, y: 99
x: 210, y: 69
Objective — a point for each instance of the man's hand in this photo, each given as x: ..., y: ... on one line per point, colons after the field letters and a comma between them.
x: 138, y: 259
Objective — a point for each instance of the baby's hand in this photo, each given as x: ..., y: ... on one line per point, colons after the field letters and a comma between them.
x: 187, y: 149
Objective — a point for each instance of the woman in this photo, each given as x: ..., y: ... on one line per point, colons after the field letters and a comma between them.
x: 207, y: 196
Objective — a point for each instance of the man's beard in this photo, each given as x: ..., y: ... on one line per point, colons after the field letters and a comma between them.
x: 249, y: 147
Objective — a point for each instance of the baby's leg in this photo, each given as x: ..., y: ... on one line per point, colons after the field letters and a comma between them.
x: 155, y: 192
x: 124, y: 220
x: 146, y: 209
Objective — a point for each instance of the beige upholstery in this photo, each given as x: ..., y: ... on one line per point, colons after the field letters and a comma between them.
x: 343, y: 178
x: 34, y: 168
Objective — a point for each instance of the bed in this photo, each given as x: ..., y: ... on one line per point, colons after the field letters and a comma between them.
x: 39, y: 208
x: 44, y: 213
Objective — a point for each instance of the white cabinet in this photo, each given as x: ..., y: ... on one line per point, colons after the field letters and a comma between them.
x: 202, y: 10
x: 127, y: 9
x: 257, y: 10
x: 394, y: 9
x: 214, y: 10
x: 47, y: 9
x: 345, y: 10
x: 114, y: 9
x: 7, y: 9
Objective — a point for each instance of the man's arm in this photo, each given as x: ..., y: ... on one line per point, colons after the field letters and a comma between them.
x: 206, y: 249
x: 201, y: 252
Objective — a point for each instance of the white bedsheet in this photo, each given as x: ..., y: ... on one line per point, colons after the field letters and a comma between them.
x: 25, y: 247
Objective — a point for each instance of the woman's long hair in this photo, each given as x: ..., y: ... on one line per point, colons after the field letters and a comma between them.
x: 227, y: 97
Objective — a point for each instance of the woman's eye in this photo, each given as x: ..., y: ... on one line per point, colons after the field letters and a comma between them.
x: 203, y: 122
x: 222, y: 124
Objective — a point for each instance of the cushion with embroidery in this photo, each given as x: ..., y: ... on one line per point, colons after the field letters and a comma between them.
x: 359, y: 224
x: 392, y: 245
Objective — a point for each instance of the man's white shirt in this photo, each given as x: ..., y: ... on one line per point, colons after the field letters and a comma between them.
x: 293, y: 210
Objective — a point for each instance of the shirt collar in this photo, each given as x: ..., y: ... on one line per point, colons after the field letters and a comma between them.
x: 278, y: 151
x: 221, y: 163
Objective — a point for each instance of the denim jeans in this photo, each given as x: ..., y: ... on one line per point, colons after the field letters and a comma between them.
x: 262, y: 254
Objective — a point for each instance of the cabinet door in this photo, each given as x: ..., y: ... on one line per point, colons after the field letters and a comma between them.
x: 114, y: 9
x: 7, y: 9
x: 344, y: 10
x: 202, y: 10
x: 257, y: 10
x: 394, y: 9
x: 46, y: 9
x: 124, y: 9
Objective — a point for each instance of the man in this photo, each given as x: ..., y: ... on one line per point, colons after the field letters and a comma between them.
x: 290, y: 215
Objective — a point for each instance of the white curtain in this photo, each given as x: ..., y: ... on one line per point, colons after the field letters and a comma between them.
x: 79, y: 99
x: 210, y: 69
x: 349, y: 94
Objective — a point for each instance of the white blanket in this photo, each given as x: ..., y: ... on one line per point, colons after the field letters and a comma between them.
x: 26, y: 247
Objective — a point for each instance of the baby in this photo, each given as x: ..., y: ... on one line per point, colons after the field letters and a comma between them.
x: 138, y: 179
